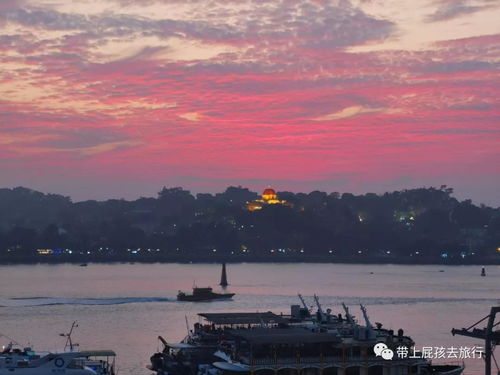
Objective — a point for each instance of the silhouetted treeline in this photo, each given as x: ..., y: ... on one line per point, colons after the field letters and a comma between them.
x: 413, y: 226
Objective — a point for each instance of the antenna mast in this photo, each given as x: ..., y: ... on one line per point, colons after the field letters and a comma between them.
x: 69, y: 341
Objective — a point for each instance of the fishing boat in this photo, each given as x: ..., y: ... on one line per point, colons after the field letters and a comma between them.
x: 203, y: 294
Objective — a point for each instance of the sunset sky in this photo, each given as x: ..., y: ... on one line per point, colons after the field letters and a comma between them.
x: 117, y: 98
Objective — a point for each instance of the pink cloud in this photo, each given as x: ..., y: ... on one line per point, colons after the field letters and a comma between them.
x: 247, y: 115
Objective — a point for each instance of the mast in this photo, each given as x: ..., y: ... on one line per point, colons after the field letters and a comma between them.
x: 223, y: 277
x: 187, y: 325
x: 69, y: 341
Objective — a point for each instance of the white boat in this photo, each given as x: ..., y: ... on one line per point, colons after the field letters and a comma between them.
x: 70, y: 361
x: 28, y: 362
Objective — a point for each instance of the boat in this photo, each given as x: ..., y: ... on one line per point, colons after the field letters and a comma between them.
x: 331, y: 345
x: 28, y: 362
x: 197, y: 349
x: 310, y: 351
x: 70, y: 361
x: 301, y: 342
x: 203, y: 294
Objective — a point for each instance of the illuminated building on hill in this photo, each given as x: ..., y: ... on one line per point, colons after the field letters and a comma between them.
x: 269, y: 196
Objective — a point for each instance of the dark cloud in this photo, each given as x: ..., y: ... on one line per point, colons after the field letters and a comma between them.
x: 83, y: 138
x: 64, y: 132
x: 305, y: 23
x: 457, y: 8
x: 457, y: 131
x: 456, y: 66
x: 107, y: 25
x: 478, y: 106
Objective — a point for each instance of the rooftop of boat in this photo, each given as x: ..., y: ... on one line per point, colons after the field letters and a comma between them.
x: 244, y: 318
x: 96, y: 353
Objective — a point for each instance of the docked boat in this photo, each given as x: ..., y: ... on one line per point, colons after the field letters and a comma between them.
x: 70, y: 361
x: 312, y: 352
x: 28, y: 362
x: 203, y: 294
x: 302, y: 342
x: 197, y: 349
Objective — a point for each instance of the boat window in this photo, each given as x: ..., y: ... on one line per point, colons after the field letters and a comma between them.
x: 75, y: 365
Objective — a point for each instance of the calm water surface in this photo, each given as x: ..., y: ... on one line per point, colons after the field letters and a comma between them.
x: 125, y: 307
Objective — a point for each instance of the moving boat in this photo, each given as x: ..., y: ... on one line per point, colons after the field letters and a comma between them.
x: 202, y: 294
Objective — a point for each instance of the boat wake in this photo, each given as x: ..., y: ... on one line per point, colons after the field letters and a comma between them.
x: 280, y: 300
x: 51, y: 301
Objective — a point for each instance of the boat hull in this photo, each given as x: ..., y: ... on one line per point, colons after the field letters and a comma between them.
x: 213, y: 296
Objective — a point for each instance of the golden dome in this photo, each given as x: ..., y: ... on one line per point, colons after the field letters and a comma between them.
x: 269, y: 192
x: 269, y: 195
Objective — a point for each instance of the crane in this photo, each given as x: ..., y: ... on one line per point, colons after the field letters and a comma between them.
x: 365, y: 315
x: 491, y: 337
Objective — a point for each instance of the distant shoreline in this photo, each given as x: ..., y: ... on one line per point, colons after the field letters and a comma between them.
x: 201, y: 260
x: 417, y: 226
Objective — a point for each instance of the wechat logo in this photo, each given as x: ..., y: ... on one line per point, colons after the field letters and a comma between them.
x: 381, y: 350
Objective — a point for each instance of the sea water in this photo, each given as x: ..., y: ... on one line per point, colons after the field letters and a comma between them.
x: 125, y: 307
